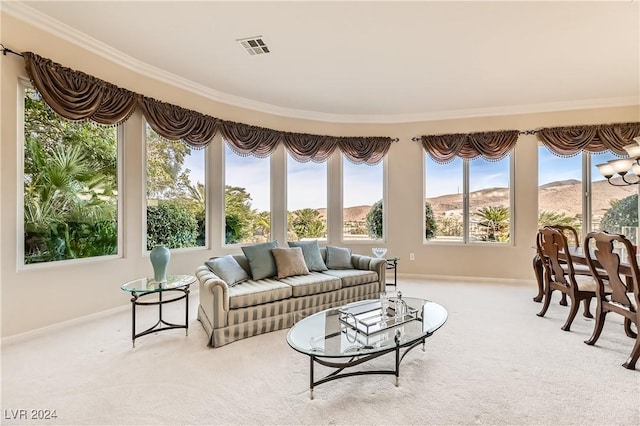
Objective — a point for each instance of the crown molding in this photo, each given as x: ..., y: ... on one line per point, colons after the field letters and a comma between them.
x: 39, y: 20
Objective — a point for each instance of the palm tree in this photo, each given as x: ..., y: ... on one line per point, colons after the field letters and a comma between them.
x: 495, y: 221
x: 63, y: 188
x: 307, y: 223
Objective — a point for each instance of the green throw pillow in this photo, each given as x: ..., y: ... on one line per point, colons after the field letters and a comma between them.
x: 339, y: 258
x: 311, y: 253
x: 228, y: 269
x: 261, y: 260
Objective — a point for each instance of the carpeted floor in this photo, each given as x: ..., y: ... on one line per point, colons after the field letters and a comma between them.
x: 493, y: 362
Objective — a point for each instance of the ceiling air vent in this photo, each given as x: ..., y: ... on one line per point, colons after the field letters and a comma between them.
x: 254, y: 45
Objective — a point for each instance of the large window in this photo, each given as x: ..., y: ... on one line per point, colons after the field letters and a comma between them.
x: 563, y: 199
x: 363, y: 191
x: 175, y: 193
x: 468, y: 201
x: 306, y: 200
x: 247, y: 198
x: 444, y: 199
x: 70, y: 186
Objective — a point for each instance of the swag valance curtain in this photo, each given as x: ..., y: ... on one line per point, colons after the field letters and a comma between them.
x: 569, y: 141
x: 75, y: 95
x: 491, y: 146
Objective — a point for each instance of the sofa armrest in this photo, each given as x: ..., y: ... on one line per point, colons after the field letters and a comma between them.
x: 214, y: 296
x: 369, y: 263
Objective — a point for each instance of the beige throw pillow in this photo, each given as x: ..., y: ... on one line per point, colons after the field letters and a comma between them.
x: 289, y: 262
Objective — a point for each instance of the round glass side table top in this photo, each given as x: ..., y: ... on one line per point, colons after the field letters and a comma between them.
x: 149, y: 285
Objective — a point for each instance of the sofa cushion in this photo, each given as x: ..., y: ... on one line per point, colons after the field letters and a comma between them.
x: 289, y: 262
x: 228, y: 269
x: 353, y: 277
x: 314, y: 283
x: 252, y: 292
x: 261, y: 259
x: 339, y: 258
x: 311, y: 253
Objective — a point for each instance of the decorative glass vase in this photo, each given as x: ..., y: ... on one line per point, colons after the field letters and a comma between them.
x: 160, y: 256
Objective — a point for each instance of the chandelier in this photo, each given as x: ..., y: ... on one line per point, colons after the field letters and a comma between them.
x: 624, y: 166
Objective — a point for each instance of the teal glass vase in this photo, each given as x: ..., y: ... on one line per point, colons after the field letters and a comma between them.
x: 160, y: 256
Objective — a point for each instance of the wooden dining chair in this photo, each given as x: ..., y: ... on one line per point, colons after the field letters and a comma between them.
x: 624, y: 295
x: 559, y: 274
x: 573, y: 240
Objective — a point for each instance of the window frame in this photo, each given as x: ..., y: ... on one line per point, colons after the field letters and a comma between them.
x: 23, y: 85
x: 466, y: 214
x: 385, y: 227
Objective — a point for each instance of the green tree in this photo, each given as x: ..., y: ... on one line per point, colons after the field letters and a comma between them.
x: 494, y: 220
x: 166, y: 176
x: 308, y: 223
x: 548, y: 217
x: 239, y: 217
x: 622, y: 213
x: 430, y: 225
x: 374, y: 220
x: 172, y: 224
x: 70, y: 181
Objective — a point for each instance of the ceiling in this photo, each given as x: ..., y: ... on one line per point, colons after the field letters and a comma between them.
x: 370, y: 61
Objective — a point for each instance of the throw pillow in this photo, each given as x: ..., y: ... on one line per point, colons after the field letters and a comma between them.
x: 311, y: 253
x: 228, y: 269
x: 289, y: 262
x: 261, y: 260
x: 339, y: 258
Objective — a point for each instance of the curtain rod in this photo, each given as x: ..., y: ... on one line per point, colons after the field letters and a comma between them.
x: 6, y: 50
x: 521, y: 132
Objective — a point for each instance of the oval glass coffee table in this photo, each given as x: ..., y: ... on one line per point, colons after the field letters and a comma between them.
x: 338, y: 339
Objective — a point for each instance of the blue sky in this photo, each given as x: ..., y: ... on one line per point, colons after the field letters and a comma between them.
x: 363, y: 184
x: 307, y: 182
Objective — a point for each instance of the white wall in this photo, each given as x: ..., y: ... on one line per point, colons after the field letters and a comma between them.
x: 41, y: 295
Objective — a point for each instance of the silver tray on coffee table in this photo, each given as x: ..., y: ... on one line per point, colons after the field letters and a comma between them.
x: 367, y: 317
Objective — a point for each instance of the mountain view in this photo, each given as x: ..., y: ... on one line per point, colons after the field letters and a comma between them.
x: 560, y: 196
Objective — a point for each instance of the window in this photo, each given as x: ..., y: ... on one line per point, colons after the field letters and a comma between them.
x: 468, y: 201
x: 444, y: 198
x: 489, y: 200
x: 362, y: 202
x: 70, y: 186
x: 247, y: 199
x: 175, y: 193
x: 306, y: 200
x: 562, y: 200
x: 559, y: 189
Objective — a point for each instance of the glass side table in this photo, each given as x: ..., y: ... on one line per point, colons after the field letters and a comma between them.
x: 148, y: 287
x: 392, y: 263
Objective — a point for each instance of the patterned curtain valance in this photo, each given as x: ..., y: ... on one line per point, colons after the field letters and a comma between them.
x: 568, y: 141
x: 78, y: 96
x: 491, y: 146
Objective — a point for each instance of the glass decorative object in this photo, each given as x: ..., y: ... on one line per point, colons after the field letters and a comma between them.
x: 379, y: 251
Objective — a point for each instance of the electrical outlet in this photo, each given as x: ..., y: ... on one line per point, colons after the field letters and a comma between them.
x: 412, y: 256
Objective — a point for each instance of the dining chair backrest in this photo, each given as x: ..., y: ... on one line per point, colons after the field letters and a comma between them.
x: 603, y: 250
x: 570, y: 232
x: 553, y: 249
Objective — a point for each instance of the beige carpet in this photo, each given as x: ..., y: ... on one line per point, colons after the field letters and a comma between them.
x: 493, y: 362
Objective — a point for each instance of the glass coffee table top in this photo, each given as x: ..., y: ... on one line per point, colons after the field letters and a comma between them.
x: 325, y: 335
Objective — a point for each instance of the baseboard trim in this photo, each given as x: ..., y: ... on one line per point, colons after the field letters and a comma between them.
x: 39, y: 332
x: 491, y: 280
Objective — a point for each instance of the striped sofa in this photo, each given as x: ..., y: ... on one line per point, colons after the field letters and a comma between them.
x: 259, y: 306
